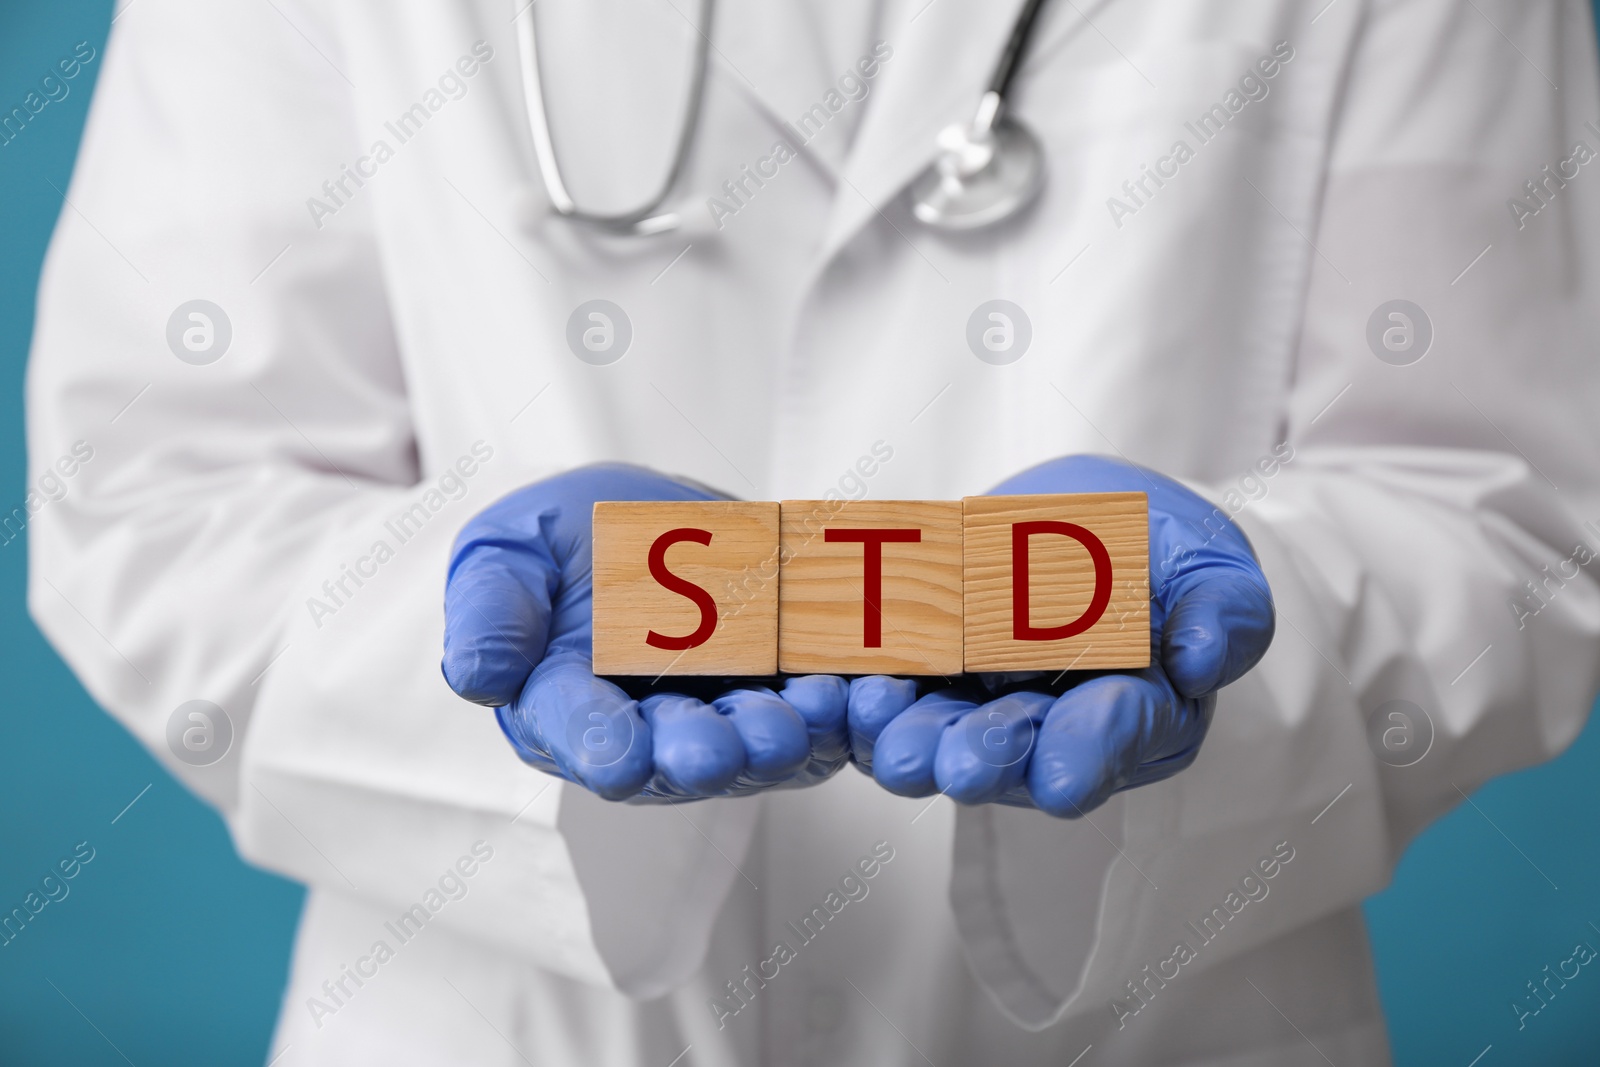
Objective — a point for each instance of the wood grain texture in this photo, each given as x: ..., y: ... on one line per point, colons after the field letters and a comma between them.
x: 737, y: 571
x: 826, y: 622
x: 1061, y: 582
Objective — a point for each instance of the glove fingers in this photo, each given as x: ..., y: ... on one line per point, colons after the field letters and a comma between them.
x: 823, y: 703
x: 1188, y: 736
x: 589, y: 727
x: 697, y: 751
x: 1093, y: 739
x: 776, y: 742
x: 984, y: 755
x: 875, y: 701
x: 497, y: 623
x: 521, y: 734
x: 903, y: 757
x: 1217, y: 630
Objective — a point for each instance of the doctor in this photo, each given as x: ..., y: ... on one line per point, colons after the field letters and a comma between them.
x: 1321, y: 279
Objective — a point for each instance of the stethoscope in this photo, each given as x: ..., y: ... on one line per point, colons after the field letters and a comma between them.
x: 987, y: 170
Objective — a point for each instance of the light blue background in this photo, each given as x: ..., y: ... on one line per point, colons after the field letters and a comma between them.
x: 170, y: 951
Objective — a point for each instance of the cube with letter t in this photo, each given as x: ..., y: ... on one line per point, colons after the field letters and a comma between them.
x: 685, y: 588
x: 870, y: 587
x: 1057, y: 582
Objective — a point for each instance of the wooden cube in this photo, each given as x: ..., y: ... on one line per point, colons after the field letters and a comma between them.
x: 1057, y: 582
x: 685, y: 588
x: 870, y: 587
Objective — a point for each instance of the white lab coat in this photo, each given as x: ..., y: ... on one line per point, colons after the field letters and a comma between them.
x: 1225, y: 315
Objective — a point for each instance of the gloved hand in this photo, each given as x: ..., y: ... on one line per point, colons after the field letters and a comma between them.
x: 518, y: 638
x: 1019, y: 739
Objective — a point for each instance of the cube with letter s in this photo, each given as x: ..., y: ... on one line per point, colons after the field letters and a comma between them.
x: 685, y: 588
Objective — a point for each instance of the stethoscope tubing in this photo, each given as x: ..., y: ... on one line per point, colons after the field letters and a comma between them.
x: 646, y: 218
x: 1010, y: 61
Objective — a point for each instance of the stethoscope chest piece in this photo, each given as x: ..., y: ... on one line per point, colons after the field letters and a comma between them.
x: 991, y: 168
x: 982, y: 176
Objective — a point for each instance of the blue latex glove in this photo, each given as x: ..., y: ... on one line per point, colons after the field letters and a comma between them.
x: 1020, y: 739
x: 518, y: 638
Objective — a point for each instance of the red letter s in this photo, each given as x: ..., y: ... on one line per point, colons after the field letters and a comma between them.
x: 701, y: 598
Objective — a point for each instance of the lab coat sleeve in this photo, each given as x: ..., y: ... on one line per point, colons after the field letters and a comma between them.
x: 256, y: 530
x: 1432, y: 542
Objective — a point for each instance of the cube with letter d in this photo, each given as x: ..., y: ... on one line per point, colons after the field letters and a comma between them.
x: 685, y: 588
x: 1057, y: 582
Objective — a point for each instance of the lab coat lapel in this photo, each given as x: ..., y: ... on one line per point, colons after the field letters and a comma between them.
x: 766, y: 50
x: 944, y: 52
